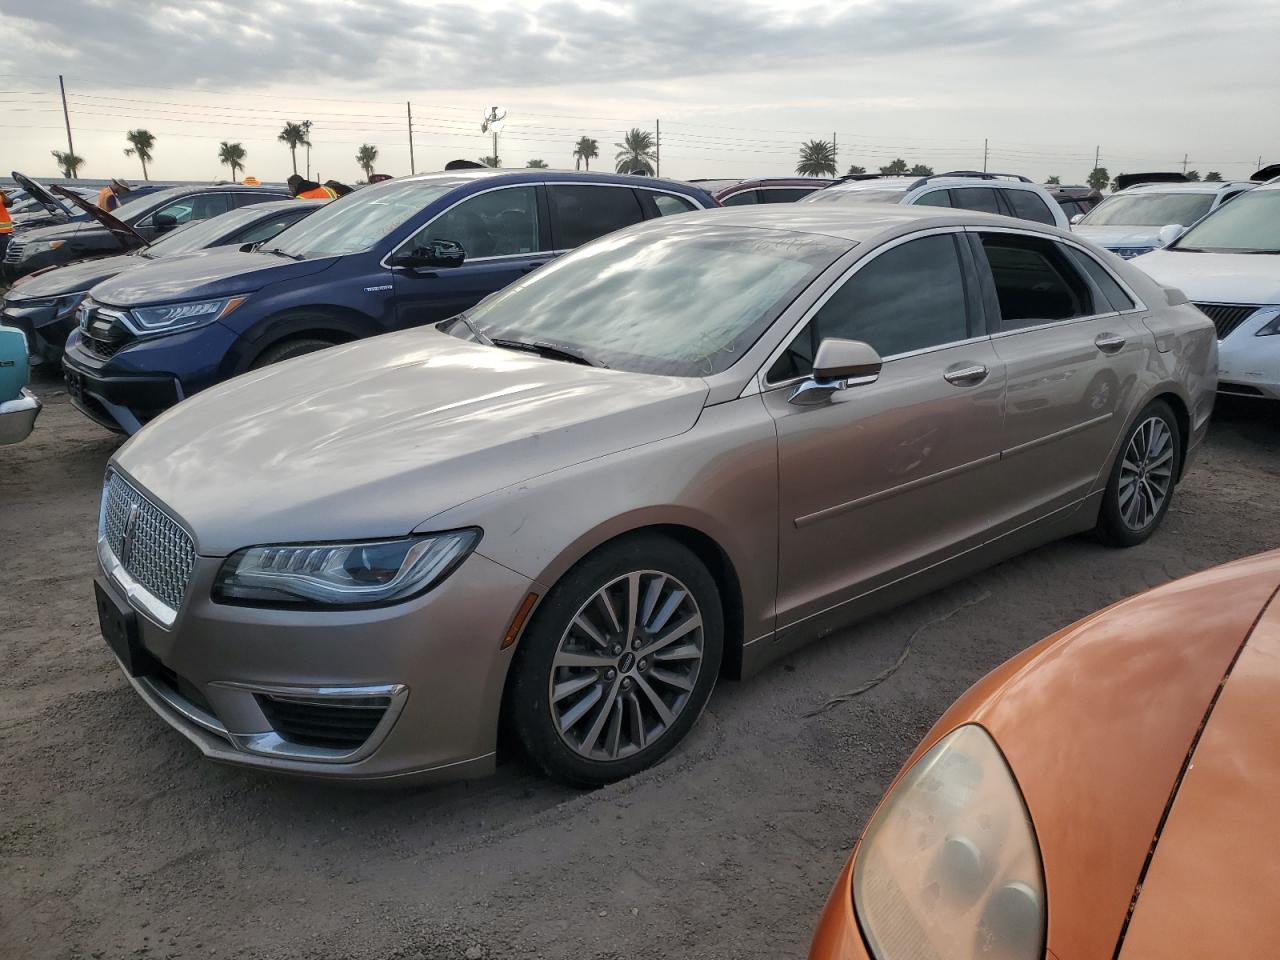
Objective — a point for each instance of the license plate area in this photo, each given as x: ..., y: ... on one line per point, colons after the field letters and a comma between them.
x: 119, y: 625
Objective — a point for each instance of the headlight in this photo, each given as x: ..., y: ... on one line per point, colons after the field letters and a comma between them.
x: 949, y: 868
x: 41, y: 246
x: 1272, y: 329
x: 343, y: 574
x: 180, y: 316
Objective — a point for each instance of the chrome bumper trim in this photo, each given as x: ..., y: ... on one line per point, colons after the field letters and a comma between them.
x: 138, y: 596
x: 18, y: 417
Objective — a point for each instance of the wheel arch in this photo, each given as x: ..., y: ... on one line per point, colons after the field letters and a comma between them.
x: 321, y: 321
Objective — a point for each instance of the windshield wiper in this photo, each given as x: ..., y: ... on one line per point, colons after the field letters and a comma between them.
x: 280, y: 253
x: 479, y: 334
x: 546, y: 350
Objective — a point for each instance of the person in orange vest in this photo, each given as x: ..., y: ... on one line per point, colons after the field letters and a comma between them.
x: 110, y: 196
x: 6, y: 222
x: 303, y: 189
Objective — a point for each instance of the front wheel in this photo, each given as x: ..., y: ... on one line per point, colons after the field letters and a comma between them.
x: 619, y: 662
x: 1141, y: 484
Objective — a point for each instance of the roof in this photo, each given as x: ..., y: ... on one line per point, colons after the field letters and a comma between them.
x: 1191, y: 186
x: 538, y: 175
x: 857, y: 223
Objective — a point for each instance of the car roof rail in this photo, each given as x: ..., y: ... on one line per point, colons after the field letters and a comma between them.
x: 851, y: 177
x: 982, y: 175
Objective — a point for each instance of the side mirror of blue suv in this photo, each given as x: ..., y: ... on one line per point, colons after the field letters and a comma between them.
x: 434, y: 253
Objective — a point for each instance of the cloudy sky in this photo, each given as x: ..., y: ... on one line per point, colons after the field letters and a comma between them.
x: 736, y: 85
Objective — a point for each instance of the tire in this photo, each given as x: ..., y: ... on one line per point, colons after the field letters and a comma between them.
x: 559, y: 651
x: 288, y: 349
x: 1142, y: 479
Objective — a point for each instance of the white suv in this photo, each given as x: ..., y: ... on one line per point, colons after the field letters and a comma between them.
x: 1004, y: 193
x: 1132, y: 220
x: 1221, y: 265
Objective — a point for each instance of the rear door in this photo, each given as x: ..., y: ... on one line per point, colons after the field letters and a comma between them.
x: 505, y: 234
x: 886, y: 478
x: 1072, y: 345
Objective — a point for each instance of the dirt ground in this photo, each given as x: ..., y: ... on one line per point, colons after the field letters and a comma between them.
x: 118, y: 840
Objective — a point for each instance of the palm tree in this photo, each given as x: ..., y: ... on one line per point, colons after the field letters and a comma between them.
x: 584, y: 151
x: 69, y: 162
x: 635, y: 152
x: 295, y: 135
x: 142, y: 141
x: 817, y: 159
x: 921, y: 170
x: 855, y: 170
x: 231, y: 155
x: 897, y: 167
x: 366, y: 157
x: 1053, y: 181
x: 537, y: 164
x: 491, y: 161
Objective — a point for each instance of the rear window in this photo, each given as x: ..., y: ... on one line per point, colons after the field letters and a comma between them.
x: 843, y: 195
x: 1027, y: 206
x: 982, y: 199
x: 581, y: 213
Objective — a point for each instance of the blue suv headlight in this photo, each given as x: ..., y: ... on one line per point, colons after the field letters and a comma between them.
x: 171, y: 317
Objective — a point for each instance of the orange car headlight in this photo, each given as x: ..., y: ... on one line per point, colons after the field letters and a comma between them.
x: 949, y: 868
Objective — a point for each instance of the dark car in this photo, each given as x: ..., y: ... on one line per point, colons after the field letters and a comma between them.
x: 774, y: 190
x: 43, y: 304
x: 398, y: 254
x: 1075, y: 201
x: 150, y: 215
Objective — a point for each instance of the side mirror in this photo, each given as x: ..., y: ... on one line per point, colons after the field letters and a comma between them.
x: 1077, y: 218
x: 838, y: 365
x: 435, y: 253
x: 1170, y: 232
x: 164, y: 221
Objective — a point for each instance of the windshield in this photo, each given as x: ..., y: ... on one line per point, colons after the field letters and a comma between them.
x: 686, y: 301
x: 1248, y: 224
x: 200, y: 234
x: 836, y: 195
x: 357, y: 222
x: 1149, y: 210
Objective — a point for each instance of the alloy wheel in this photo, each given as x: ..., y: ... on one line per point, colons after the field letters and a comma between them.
x: 1146, y: 473
x: 626, y: 665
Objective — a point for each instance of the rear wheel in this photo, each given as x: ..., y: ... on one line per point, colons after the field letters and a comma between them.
x: 1141, y: 484
x: 288, y: 349
x: 619, y: 662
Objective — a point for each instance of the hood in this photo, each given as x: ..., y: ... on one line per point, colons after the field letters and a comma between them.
x: 42, y: 196
x: 1216, y: 277
x: 1214, y: 874
x: 216, y: 273
x: 73, y: 278
x: 373, y: 438
x: 1119, y: 236
x: 1096, y: 723
x: 125, y: 235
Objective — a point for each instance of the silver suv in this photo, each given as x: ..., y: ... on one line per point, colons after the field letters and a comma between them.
x: 1008, y: 194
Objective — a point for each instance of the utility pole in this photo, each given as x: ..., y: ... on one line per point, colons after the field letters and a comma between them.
x: 1097, y: 155
x: 985, y: 144
x: 67, y: 117
x: 657, y: 147
x: 306, y: 132
x: 1184, y: 163
x: 408, y: 109
x: 835, y: 152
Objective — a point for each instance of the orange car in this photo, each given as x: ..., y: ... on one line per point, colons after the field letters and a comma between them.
x: 1109, y: 793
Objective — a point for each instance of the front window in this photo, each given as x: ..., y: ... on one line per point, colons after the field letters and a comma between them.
x: 686, y: 301
x: 360, y: 220
x: 1149, y: 210
x: 198, y: 236
x: 1248, y: 224
x: 499, y: 223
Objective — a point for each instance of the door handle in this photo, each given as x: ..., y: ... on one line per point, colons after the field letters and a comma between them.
x: 1109, y: 343
x: 965, y: 373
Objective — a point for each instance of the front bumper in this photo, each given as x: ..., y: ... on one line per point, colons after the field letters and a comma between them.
x: 1249, y: 365
x: 18, y: 417
x: 45, y: 329
x: 433, y: 664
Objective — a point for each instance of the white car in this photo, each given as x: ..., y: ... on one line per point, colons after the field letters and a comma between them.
x: 1229, y: 265
x: 1007, y: 194
x: 1133, y: 220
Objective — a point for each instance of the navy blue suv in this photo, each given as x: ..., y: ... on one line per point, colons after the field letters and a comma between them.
x: 397, y: 254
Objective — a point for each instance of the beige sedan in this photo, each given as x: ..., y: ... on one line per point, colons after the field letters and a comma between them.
x: 677, y: 453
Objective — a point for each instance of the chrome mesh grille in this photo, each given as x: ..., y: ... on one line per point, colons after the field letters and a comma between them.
x: 160, y: 554
x: 1227, y: 316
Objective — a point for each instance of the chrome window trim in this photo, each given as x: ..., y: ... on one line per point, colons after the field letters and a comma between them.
x: 539, y: 183
x: 760, y: 379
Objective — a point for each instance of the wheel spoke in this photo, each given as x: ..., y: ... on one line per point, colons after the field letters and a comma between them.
x: 659, y: 705
x: 607, y: 603
x: 686, y: 651
x: 651, y: 597
x: 566, y: 688
x: 589, y: 741
x: 570, y: 658
x: 639, y: 736
x: 582, y: 624
x: 671, y: 679
x: 579, y: 709
x: 684, y: 628
x: 662, y: 616
x: 633, y: 604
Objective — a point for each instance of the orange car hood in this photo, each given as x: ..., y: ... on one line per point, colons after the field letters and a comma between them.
x: 1096, y: 723
x: 1211, y: 886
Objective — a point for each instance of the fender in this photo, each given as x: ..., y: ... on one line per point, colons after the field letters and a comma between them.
x: 338, y: 324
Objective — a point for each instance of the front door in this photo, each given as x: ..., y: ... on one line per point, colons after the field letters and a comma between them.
x: 502, y: 233
x: 1073, y: 345
x: 884, y: 479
